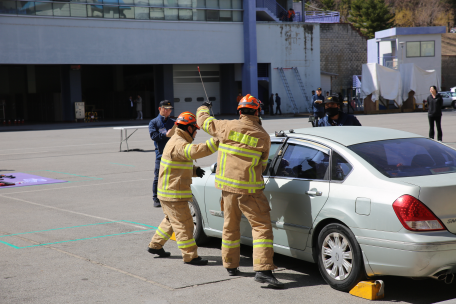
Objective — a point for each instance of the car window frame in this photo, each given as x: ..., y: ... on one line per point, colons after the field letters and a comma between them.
x: 351, y: 164
x: 307, y: 143
x: 274, y: 159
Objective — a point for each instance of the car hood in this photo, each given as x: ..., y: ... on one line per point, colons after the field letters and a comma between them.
x: 438, y: 193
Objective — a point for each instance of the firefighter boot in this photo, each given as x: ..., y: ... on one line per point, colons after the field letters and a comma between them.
x: 232, y: 271
x: 161, y: 252
x: 197, y: 261
x: 268, y: 277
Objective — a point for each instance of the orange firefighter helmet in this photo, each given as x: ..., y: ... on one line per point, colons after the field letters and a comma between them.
x: 187, y: 119
x: 248, y: 101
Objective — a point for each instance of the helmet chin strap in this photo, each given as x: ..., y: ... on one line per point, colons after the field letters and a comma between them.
x: 191, y: 134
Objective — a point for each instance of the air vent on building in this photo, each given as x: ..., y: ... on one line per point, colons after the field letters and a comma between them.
x: 177, y: 99
x: 211, y: 98
x: 188, y: 99
x: 199, y: 98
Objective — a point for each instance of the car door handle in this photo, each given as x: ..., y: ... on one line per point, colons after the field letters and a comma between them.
x: 314, y: 193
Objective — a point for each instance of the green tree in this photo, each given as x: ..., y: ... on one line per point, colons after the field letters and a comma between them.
x: 328, y: 5
x: 370, y: 16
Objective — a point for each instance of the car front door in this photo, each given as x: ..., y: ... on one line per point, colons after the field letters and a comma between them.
x: 297, y: 191
x: 213, y: 195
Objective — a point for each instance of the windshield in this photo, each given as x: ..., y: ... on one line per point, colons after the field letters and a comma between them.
x: 408, y: 157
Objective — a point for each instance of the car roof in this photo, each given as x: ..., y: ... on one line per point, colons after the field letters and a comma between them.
x: 349, y: 135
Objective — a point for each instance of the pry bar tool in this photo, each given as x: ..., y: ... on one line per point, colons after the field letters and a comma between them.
x: 205, y: 90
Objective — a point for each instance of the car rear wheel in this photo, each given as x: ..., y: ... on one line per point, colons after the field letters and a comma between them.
x: 454, y: 104
x: 198, y: 231
x: 340, y: 258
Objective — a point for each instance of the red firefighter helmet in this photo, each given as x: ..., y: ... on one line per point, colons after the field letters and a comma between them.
x: 187, y: 119
x: 248, y: 101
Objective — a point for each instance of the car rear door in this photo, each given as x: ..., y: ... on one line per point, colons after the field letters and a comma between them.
x: 297, y: 190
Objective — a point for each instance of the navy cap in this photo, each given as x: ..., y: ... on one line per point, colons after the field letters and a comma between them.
x: 166, y: 104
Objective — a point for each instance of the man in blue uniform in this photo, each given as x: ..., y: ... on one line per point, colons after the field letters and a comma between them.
x: 334, y: 116
x: 317, y: 105
x: 160, y: 132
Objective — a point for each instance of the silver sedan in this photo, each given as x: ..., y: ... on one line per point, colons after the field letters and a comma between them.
x: 358, y: 201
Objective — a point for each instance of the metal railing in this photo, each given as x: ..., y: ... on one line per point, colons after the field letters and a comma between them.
x: 322, y: 17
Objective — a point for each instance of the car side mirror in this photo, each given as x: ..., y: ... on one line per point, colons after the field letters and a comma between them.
x: 214, y: 167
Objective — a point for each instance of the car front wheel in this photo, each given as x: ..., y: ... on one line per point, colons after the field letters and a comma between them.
x: 198, y: 231
x: 340, y: 258
x: 454, y: 104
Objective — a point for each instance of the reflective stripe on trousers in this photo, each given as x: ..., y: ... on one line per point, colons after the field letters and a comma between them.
x: 167, y: 166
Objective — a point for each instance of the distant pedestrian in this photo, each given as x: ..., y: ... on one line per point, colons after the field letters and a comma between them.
x: 435, y: 103
x: 278, y: 103
x: 132, y: 108
x: 160, y: 132
x: 313, y: 93
x: 318, y: 107
x: 327, y: 94
x: 291, y: 14
x: 271, y: 105
x: 139, y: 108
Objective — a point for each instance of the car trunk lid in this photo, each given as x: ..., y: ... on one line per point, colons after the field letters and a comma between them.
x: 438, y: 193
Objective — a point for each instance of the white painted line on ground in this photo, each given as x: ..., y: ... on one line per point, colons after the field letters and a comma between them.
x: 75, y: 212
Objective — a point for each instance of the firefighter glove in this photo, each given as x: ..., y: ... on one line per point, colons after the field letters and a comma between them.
x: 207, y: 104
x: 200, y: 172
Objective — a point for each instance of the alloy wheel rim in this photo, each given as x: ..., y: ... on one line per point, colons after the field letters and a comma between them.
x: 337, y: 256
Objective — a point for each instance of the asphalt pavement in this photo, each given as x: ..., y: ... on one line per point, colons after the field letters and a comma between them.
x: 85, y: 241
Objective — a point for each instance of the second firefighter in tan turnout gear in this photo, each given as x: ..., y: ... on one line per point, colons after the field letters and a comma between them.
x: 174, y: 192
x: 242, y: 158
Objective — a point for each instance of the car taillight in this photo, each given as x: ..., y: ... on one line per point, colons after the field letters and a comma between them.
x: 415, y: 216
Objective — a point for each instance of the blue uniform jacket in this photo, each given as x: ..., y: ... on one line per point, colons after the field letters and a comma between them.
x: 343, y: 120
x: 318, y: 108
x: 159, y: 138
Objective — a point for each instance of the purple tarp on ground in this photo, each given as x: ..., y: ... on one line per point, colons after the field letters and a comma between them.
x: 24, y: 179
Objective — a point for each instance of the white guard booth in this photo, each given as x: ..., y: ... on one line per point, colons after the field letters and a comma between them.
x: 418, y: 80
x: 381, y: 81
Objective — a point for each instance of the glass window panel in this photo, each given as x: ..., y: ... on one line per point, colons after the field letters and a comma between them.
x: 199, y: 15
x: 126, y: 12
x: 156, y: 2
x: 95, y: 11
x: 225, y: 16
x: 94, y: 1
x: 61, y: 9
x: 427, y: 48
x: 185, y: 14
x: 142, y: 3
x: 8, y: 7
x: 236, y: 4
x: 340, y: 167
x: 111, y: 2
x: 78, y: 1
x: 43, y: 9
x: 142, y: 13
x: 185, y: 3
x: 225, y: 4
x: 126, y: 2
x: 157, y: 14
x: 212, y: 15
x: 198, y: 3
x: 26, y: 8
x: 237, y: 16
x: 272, y: 153
x: 304, y: 162
x: 171, y: 3
x: 78, y: 10
x: 212, y: 4
x: 413, y: 49
x: 111, y: 12
x: 171, y: 13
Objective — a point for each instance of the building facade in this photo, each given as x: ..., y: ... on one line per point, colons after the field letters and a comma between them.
x: 56, y: 53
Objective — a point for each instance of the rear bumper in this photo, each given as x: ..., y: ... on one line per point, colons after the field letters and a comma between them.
x: 420, y: 255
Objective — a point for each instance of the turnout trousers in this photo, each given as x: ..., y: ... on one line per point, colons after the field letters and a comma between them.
x: 256, y: 209
x: 177, y: 219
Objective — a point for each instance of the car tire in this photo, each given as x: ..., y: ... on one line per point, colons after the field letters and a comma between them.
x: 198, y: 231
x: 342, y: 265
x: 454, y: 104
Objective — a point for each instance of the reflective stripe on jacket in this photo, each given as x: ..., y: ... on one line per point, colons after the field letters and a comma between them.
x: 243, y: 151
x: 176, y: 165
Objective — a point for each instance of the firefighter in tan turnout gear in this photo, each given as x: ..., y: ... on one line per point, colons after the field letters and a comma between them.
x: 174, y: 192
x: 242, y: 158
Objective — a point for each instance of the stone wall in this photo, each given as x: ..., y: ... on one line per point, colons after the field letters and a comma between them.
x: 448, y: 72
x: 343, y: 51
